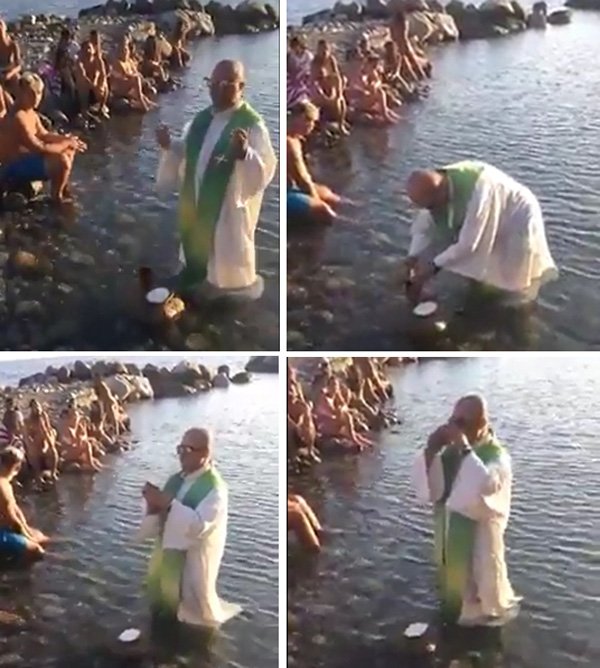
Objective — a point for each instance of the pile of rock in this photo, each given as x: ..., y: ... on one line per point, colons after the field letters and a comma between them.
x: 248, y: 17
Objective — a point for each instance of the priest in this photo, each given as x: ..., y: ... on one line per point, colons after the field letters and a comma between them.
x: 222, y: 164
x: 188, y: 519
x: 465, y: 473
x: 480, y: 223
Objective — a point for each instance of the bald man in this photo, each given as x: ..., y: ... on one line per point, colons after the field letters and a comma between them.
x: 188, y: 519
x: 223, y: 163
x: 479, y: 223
x: 466, y: 474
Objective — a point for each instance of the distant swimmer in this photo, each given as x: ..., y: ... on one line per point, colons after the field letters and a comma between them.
x: 479, y: 223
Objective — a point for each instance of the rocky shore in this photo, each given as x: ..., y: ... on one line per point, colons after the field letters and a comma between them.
x: 129, y: 382
x: 429, y: 21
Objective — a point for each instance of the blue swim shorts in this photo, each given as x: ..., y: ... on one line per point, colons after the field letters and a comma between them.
x: 298, y: 202
x: 27, y: 168
x: 12, y: 544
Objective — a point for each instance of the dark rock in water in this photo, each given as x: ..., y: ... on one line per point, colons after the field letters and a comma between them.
x: 316, y: 17
x: 150, y: 369
x: 133, y: 369
x: 241, y: 378
x: 583, y: 4
x: 51, y: 372
x: 377, y: 9
x: 116, y: 368
x: 352, y: 10
x: 264, y: 364
x: 100, y: 369
x: 35, y: 379
x: 63, y: 375
x: 188, y: 373
x: 560, y: 17
x: 224, y: 369
x: 221, y: 381
x: 494, y: 18
x: 142, y: 7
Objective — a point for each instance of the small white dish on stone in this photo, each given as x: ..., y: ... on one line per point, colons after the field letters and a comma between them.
x: 415, y: 630
x: 130, y: 635
x: 158, y: 295
x: 425, y: 309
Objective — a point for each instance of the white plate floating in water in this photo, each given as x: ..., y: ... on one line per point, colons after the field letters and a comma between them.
x: 158, y: 295
x: 415, y: 630
x: 425, y: 309
x: 130, y: 635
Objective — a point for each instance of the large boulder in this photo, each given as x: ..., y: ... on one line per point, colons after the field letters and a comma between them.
x: 537, y: 19
x: 221, y: 381
x: 189, y: 373
x: 141, y: 388
x: 377, y: 9
x: 198, y: 24
x: 133, y: 369
x: 81, y: 371
x: 351, y: 10
x: 100, y: 369
x: 559, y: 17
x: 432, y: 28
x: 96, y: 10
x: 35, y: 379
x: 120, y: 387
x: 264, y: 364
x: 142, y: 7
x: 241, y: 378
x: 316, y: 17
x: 63, y: 375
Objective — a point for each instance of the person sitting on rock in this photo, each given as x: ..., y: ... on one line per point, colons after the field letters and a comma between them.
x: 415, y: 66
x: 18, y: 539
x: 305, y: 198
x: 152, y: 66
x: 14, y: 424
x: 302, y: 521
x: 179, y: 56
x: 97, y: 427
x: 392, y: 76
x: 99, y: 55
x: 324, y: 59
x: 76, y: 448
x: 40, y: 444
x: 126, y: 81
x: 90, y: 79
x: 299, y: 60
x: 301, y: 424
x: 6, y: 102
x: 111, y: 408
x: 10, y: 60
x: 373, y: 77
x: 328, y: 96
x: 366, y: 97
x: 29, y: 152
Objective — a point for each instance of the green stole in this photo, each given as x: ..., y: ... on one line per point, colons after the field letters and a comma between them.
x: 199, y: 211
x: 455, y: 533
x: 462, y: 178
x: 165, y: 571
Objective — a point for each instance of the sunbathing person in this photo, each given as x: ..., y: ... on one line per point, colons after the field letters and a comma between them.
x: 40, y: 444
x: 113, y: 412
x: 415, y: 66
x: 18, y: 539
x: 10, y: 60
x: 328, y: 96
x: 325, y: 60
x: 302, y: 521
x: 14, y: 424
x: 301, y: 422
x: 91, y: 81
x: 126, y: 81
x: 152, y: 66
x: 305, y: 198
x: 392, y: 63
x: 179, y: 56
x: 76, y: 448
x: 334, y: 423
x: 28, y: 152
x: 97, y: 427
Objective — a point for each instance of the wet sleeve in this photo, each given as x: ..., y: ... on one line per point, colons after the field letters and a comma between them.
x: 428, y: 486
x: 149, y: 527
x: 171, y: 164
x: 187, y: 526
x: 421, y: 233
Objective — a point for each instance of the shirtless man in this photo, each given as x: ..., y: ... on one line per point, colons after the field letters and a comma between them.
x: 302, y: 521
x: 10, y: 60
x: 179, y: 56
x: 13, y: 422
x: 76, y: 448
x: 110, y: 406
x: 328, y: 96
x: 305, y: 198
x: 414, y: 66
x: 152, y: 66
x: 28, y: 152
x: 17, y: 538
x: 90, y: 79
x: 126, y: 81
x: 97, y: 426
x: 365, y: 94
x: 40, y: 443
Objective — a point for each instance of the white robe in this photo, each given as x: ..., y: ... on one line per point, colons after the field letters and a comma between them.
x: 481, y: 493
x: 202, y: 533
x: 232, y: 264
x: 502, y: 241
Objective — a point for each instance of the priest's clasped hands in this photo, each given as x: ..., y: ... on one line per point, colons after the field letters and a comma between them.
x: 158, y: 502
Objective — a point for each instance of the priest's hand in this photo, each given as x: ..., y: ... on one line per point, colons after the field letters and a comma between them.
x: 457, y: 438
x: 438, y: 439
x: 239, y: 144
x: 163, y: 137
x: 157, y: 501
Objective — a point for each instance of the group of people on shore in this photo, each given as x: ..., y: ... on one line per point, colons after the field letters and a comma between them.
x: 370, y: 87
x: 84, y: 82
x: 37, y: 448
x: 336, y: 412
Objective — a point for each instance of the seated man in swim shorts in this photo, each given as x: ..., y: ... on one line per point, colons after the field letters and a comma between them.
x: 28, y: 152
x: 18, y: 540
x: 305, y: 198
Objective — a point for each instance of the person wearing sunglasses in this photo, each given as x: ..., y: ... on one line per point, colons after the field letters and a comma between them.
x: 222, y: 165
x: 466, y: 473
x: 188, y: 519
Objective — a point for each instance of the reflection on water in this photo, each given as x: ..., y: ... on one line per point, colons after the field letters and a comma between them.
x: 524, y: 104
x: 75, y: 603
x: 349, y: 606
x: 93, y: 252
